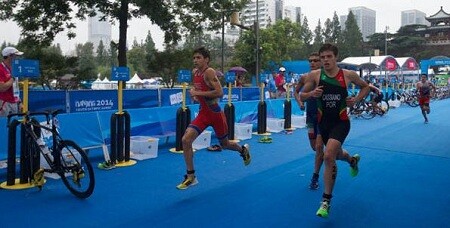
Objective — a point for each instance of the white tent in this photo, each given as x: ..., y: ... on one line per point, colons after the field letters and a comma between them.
x: 135, y: 82
x: 105, y: 84
x: 96, y: 84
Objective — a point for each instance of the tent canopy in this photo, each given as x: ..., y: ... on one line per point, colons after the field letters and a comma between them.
x: 135, y: 79
x: 372, y: 62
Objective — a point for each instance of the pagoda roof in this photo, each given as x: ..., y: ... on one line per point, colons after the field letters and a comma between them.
x: 441, y: 14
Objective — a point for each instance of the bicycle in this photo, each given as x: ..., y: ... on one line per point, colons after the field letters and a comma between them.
x: 64, y: 157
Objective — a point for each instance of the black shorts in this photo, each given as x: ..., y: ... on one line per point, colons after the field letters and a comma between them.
x: 334, y: 130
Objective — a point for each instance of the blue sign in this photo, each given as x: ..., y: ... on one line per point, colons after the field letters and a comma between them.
x: 25, y: 68
x: 230, y: 77
x: 184, y: 76
x: 263, y: 77
x: 120, y: 74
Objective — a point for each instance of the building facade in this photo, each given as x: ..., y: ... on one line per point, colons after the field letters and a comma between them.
x: 413, y: 17
x: 99, y: 30
x: 438, y: 33
x: 365, y: 18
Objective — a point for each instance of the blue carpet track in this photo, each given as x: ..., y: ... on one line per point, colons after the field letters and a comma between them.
x: 403, y: 182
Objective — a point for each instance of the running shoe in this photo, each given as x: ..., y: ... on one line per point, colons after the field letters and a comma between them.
x: 245, y: 154
x: 323, y: 209
x: 314, y: 185
x: 354, y: 165
x: 187, y: 182
x: 106, y: 165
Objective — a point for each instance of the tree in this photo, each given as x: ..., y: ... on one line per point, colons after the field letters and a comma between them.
x: 136, y: 57
x: 40, y: 21
x: 86, y: 62
x: 150, y: 50
x: 318, y: 38
x: 167, y: 63
x: 352, y: 42
x: 280, y: 41
x: 327, y: 31
x: 102, y: 54
x: 307, y: 37
x: 336, y: 30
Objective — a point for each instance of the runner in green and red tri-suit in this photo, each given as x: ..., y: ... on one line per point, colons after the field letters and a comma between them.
x: 329, y: 85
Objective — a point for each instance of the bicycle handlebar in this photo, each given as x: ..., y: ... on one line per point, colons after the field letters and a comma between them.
x: 47, y: 114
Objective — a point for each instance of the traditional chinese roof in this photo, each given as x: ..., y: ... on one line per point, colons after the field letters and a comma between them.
x: 441, y: 14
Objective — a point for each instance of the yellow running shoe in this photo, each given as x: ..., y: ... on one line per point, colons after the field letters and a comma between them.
x: 187, y: 182
x: 323, y: 209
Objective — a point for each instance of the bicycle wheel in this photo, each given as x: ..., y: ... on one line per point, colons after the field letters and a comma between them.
x: 368, y: 112
x: 384, y: 105
x: 76, y: 169
x: 412, y: 101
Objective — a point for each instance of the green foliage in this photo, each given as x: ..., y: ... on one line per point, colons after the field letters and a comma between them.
x: 318, y: 36
x: 167, y: 63
x: 86, y: 62
x: 102, y: 54
x: 280, y: 41
x: 352, y: 41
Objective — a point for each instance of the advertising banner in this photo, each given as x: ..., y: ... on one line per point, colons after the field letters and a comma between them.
x: 84, y: 101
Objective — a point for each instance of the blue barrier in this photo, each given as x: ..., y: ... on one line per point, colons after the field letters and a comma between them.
x: 46, y: 100
x: 92, y: 129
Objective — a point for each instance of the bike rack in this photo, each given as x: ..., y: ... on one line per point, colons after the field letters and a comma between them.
x: 230, y: 115
x: 120, y: 139
x: 29, y: 162
x: 288, y: 112
x: 262, y: 114
x: 183, y: 120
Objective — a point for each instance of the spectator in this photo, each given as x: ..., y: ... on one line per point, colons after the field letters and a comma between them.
x: 9, y: 87
x: 279, y: 83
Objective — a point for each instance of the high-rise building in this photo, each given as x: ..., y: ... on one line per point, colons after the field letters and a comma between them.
x: 99, y: 30
x: 411, y: 17
x: 266, y: 13
x: 365, y: 18
x: 292, y: 13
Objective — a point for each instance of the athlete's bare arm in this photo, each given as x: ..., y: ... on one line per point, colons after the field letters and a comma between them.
x: 353, y: 77
x: 310, y: 89
x: 298, y: 88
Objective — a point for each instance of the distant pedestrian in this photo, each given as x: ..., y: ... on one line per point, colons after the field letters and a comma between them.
x: 424, y: 87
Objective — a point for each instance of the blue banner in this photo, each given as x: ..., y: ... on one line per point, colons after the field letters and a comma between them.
x: 171, y: 97
x: 140, y: 98
x: 250, y: 93
x: 46, y: 100
x: 235, y: 94
x: 84, y: 101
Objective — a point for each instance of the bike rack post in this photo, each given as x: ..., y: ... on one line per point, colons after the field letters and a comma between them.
x: 11, y: 169
x: 25, y: 172
x: 29, y: 158
x: 183, y: 120
x: 262, y: 114
x: 287, y: 111
x: 230, y: 115
x: 120, y: 139
x: 120, y: 134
